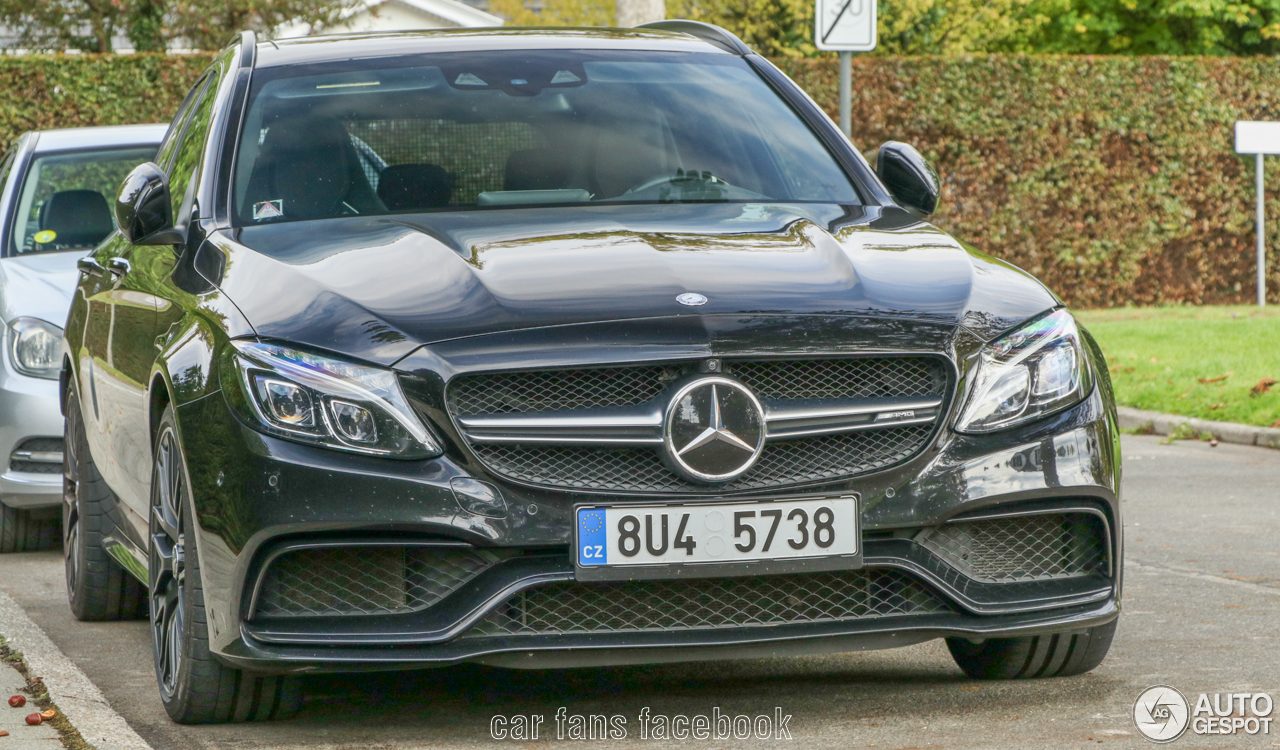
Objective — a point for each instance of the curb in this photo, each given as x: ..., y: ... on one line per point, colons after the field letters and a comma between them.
x: 76, y: 697
x: 1226, y: 432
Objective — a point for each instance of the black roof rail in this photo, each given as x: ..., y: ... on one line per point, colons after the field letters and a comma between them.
x: 248, y: 42
x: 704, y: 31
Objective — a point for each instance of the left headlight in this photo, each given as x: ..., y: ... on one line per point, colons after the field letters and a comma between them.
x: 1030, y: 373
x: 34, y: 346
x: 324, y: 401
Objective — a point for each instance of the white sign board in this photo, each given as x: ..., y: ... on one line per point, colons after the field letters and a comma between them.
x: 845, y: 25
x: 1257, y: 137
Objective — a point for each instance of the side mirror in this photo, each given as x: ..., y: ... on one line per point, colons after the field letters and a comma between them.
x: 908, y: 176
x: 144, y: 212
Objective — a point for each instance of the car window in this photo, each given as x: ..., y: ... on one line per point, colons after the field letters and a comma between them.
x: 185, y: 171
x: 65, y: 200
x: 523, y: 129
x: 164, y: 155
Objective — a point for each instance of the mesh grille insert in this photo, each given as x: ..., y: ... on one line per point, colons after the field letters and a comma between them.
x: 367, y: 580
x: 842, y: 378
x: 641, y: 470
x: 37, y: 445
x: 709, y: 603
x: 1022, y: 548
x: 555, y: 390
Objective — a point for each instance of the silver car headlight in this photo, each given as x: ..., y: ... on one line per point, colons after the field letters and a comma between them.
x: 324, y: 401
x: 1030, y: 373
x: 34, y: 346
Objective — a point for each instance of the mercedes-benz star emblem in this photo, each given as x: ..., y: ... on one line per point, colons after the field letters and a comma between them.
x: 714, y: 430
x: 693, y: 299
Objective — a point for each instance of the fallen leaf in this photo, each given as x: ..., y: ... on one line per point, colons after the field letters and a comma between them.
x: 1219, y: 405
x: 1153, y: 359
x: 1276, y: 423
x: 1262, y: 386
x: 1218, y: 379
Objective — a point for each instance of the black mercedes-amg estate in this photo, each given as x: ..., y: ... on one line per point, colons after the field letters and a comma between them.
x: 545, y: 348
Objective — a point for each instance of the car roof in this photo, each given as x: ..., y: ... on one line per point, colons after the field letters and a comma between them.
x: 339, y: 47
x: 99, y: 137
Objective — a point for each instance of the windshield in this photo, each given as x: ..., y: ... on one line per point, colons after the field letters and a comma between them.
x: 65, y: 201
x: 519, y: 129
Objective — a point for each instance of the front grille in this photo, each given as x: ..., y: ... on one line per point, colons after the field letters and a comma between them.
x: 1022, y: 548
x: 841, y: 378
x: 709, y: 603
x: 37, y: 456
x: 641, y: 470
x: 556, y: 390
x: 367, y: 580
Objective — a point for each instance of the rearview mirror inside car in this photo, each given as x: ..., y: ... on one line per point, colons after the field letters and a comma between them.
x: 143, y: 210
x: 908, y: 177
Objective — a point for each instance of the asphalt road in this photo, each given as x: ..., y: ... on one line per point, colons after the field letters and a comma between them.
x: 1202, y: 613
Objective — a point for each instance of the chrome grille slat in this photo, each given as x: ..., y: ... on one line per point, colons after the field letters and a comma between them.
x: 37, y: 456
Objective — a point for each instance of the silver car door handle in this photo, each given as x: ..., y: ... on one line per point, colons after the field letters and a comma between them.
x: 90, y: 267
x: 118, y: 266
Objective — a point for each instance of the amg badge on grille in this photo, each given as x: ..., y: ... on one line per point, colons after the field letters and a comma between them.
x: 714, y: 430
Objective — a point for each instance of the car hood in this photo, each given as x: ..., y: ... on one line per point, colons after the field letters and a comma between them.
x: 38, y: 286
x: 379, y: 287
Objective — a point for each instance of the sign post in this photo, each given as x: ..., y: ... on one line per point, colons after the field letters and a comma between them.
x: 845, y: 26
x: 1259, y: 139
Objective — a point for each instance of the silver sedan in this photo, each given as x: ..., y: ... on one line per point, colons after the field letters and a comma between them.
x: 59, y: 188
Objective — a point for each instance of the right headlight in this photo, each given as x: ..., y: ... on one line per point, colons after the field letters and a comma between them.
x: 34, y: 346
x: 312, y: 398
x: 1027, y: 374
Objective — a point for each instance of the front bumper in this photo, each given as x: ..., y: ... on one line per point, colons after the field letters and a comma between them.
x: 255, y: 494
x: 32, y: 418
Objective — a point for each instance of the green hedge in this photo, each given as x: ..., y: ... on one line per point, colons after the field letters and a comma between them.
x: 1111, y: 178
x: 1114, y: 179
x: 38, y: 92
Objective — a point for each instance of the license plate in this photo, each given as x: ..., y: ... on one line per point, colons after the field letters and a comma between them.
x: 719, y: 533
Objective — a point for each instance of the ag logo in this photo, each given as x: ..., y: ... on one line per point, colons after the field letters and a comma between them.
x: 1161, y: 713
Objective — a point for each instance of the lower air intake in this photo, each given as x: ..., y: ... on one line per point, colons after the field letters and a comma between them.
x: 367, y: 580
x: 709, y: 603
x: 1022, y: 548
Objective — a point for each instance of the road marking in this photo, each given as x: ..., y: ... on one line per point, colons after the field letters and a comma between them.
x: 78, y: 698
x: 1260, y: 588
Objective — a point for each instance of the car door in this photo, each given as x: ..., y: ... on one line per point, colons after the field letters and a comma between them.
x: 133, y: 303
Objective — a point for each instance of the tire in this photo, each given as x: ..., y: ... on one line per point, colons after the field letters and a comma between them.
x: 194, y: 686
x: 28, y: 530
x: 97, y: 587
x: 1053, y: 655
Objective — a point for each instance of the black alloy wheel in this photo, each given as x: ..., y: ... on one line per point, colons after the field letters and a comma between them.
x: 167, y: 565
x: 195, y: 686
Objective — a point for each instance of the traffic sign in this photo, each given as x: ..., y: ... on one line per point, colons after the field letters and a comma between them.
x: 845, y: 25
x: 1259, y: 139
